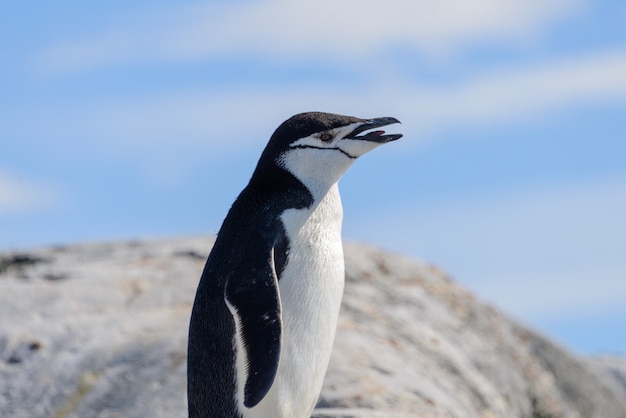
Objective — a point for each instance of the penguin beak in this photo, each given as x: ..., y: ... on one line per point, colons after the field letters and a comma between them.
x: 375, y: 136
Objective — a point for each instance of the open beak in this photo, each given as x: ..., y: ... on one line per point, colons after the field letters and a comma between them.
x: 377, y: 135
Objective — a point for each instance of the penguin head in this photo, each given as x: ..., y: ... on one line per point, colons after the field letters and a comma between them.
x: 318, y: 148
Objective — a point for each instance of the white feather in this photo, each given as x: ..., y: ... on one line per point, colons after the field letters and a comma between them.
x: 311, y: 286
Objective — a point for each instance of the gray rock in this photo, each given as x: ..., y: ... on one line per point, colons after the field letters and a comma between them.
x: 613, y: 367
x: 99, y: 330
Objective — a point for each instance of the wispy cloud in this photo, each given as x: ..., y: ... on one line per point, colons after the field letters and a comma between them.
x: 345, y: 30
x: 360, y: 28
x: 205, y: 119
x: 18, y: 195
x: 354, y: 30
x: 523, y: 92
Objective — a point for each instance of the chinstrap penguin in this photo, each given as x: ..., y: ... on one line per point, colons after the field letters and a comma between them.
x: 265, y: 313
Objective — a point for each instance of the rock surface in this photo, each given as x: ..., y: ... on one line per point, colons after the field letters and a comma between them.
x: 99, y: 330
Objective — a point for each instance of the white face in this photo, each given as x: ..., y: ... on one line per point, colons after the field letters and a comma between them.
x: 334, y: 140
x: 319, y: 160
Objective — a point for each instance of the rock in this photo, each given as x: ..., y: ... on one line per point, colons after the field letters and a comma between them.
x: 99, y: 330
x: 614, y: 367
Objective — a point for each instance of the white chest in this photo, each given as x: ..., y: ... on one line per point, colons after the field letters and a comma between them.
x: 311, y: 287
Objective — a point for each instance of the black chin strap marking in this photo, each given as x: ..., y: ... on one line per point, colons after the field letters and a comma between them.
x: 329, y: 149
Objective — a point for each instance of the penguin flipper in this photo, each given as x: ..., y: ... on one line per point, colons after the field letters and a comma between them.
x: 254, y: 302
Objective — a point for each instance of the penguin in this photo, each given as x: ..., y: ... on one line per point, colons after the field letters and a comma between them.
x: 265, y: 312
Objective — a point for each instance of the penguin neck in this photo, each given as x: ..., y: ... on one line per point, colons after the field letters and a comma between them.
x: 325, y: 210
x: 318, y: 170
x: 273, y: 187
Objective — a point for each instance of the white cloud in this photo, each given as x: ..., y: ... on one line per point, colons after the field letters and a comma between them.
x: 343, y: 30
x: 349, y: 28
x: 18, y: 195
x: 546, y: 253
x: 517, y: 94
x: 206, y: 119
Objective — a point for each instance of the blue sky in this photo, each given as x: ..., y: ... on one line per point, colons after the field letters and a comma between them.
x: 123, y: 120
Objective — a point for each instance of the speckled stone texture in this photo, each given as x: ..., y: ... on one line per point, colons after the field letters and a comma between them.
x: 99, y: 330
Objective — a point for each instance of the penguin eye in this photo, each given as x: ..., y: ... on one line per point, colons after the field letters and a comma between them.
x: 326, y: 137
